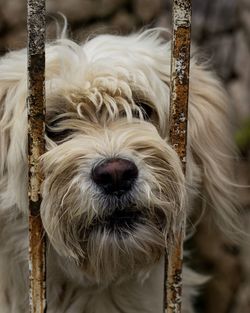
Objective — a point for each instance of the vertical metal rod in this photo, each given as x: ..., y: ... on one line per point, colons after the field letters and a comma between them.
x: 179, y: 87
x: 36, y: 147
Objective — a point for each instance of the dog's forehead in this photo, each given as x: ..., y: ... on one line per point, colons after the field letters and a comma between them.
x: 99, y: 105
x: 109, y: 75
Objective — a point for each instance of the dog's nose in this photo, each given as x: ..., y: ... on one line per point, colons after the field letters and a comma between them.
x: 115, y: 176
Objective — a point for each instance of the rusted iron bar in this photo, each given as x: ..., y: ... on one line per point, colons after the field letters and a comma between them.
x: 179, y: 87
x: 36, y: 147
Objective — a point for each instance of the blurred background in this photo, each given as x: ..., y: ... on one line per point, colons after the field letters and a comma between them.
x: 221, y: 30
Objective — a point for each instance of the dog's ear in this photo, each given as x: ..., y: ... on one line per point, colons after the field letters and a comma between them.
x: 211, y: 146
x: 13, y: 129
x: 62, y: 60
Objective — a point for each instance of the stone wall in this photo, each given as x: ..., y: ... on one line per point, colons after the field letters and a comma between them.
x: 221, y: 30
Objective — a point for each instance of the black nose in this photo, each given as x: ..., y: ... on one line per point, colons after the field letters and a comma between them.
x: 115, y: 176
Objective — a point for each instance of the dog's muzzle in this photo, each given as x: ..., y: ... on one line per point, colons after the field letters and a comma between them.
x: 116, y: 177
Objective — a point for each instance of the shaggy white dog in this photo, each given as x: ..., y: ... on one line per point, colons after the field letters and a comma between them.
x: 113, y: 183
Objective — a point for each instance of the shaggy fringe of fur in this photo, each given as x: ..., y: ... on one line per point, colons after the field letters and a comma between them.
x: 95, y: 95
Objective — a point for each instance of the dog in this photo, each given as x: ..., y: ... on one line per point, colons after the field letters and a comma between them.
x: 114, y: 186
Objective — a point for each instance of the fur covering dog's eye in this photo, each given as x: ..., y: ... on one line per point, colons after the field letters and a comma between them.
x: 57, y: 131
x: 146, y: 110
x: 57, y: 135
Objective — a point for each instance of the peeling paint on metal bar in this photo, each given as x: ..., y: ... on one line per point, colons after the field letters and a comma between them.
x: 179, y: 88
x: 36, y: 25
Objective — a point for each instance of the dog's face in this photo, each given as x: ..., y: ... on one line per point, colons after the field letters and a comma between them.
x: 113, y: 184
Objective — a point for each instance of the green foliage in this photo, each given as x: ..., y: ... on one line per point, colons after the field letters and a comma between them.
x: 242, y: 136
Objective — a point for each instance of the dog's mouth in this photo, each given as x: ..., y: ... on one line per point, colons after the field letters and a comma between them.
x: 121, y: 220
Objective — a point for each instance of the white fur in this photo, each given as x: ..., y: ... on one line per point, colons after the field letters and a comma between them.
x: 97, y: 89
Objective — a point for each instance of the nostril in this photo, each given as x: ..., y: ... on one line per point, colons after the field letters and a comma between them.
x: 115, y: 175
x: 130, y: 173
x: 100, y: 177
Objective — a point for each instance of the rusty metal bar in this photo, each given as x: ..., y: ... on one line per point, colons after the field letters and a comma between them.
x: 36, y: 147
x: 179, y: 87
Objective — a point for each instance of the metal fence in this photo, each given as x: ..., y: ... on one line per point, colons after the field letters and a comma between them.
x: 36, y: 147
x: 179, y: 87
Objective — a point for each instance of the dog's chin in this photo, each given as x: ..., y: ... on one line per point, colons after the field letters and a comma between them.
x: 121, y: 245
x: 114, y: 246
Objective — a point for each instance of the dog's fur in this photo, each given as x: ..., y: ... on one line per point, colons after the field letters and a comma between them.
x: 108, y: 98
